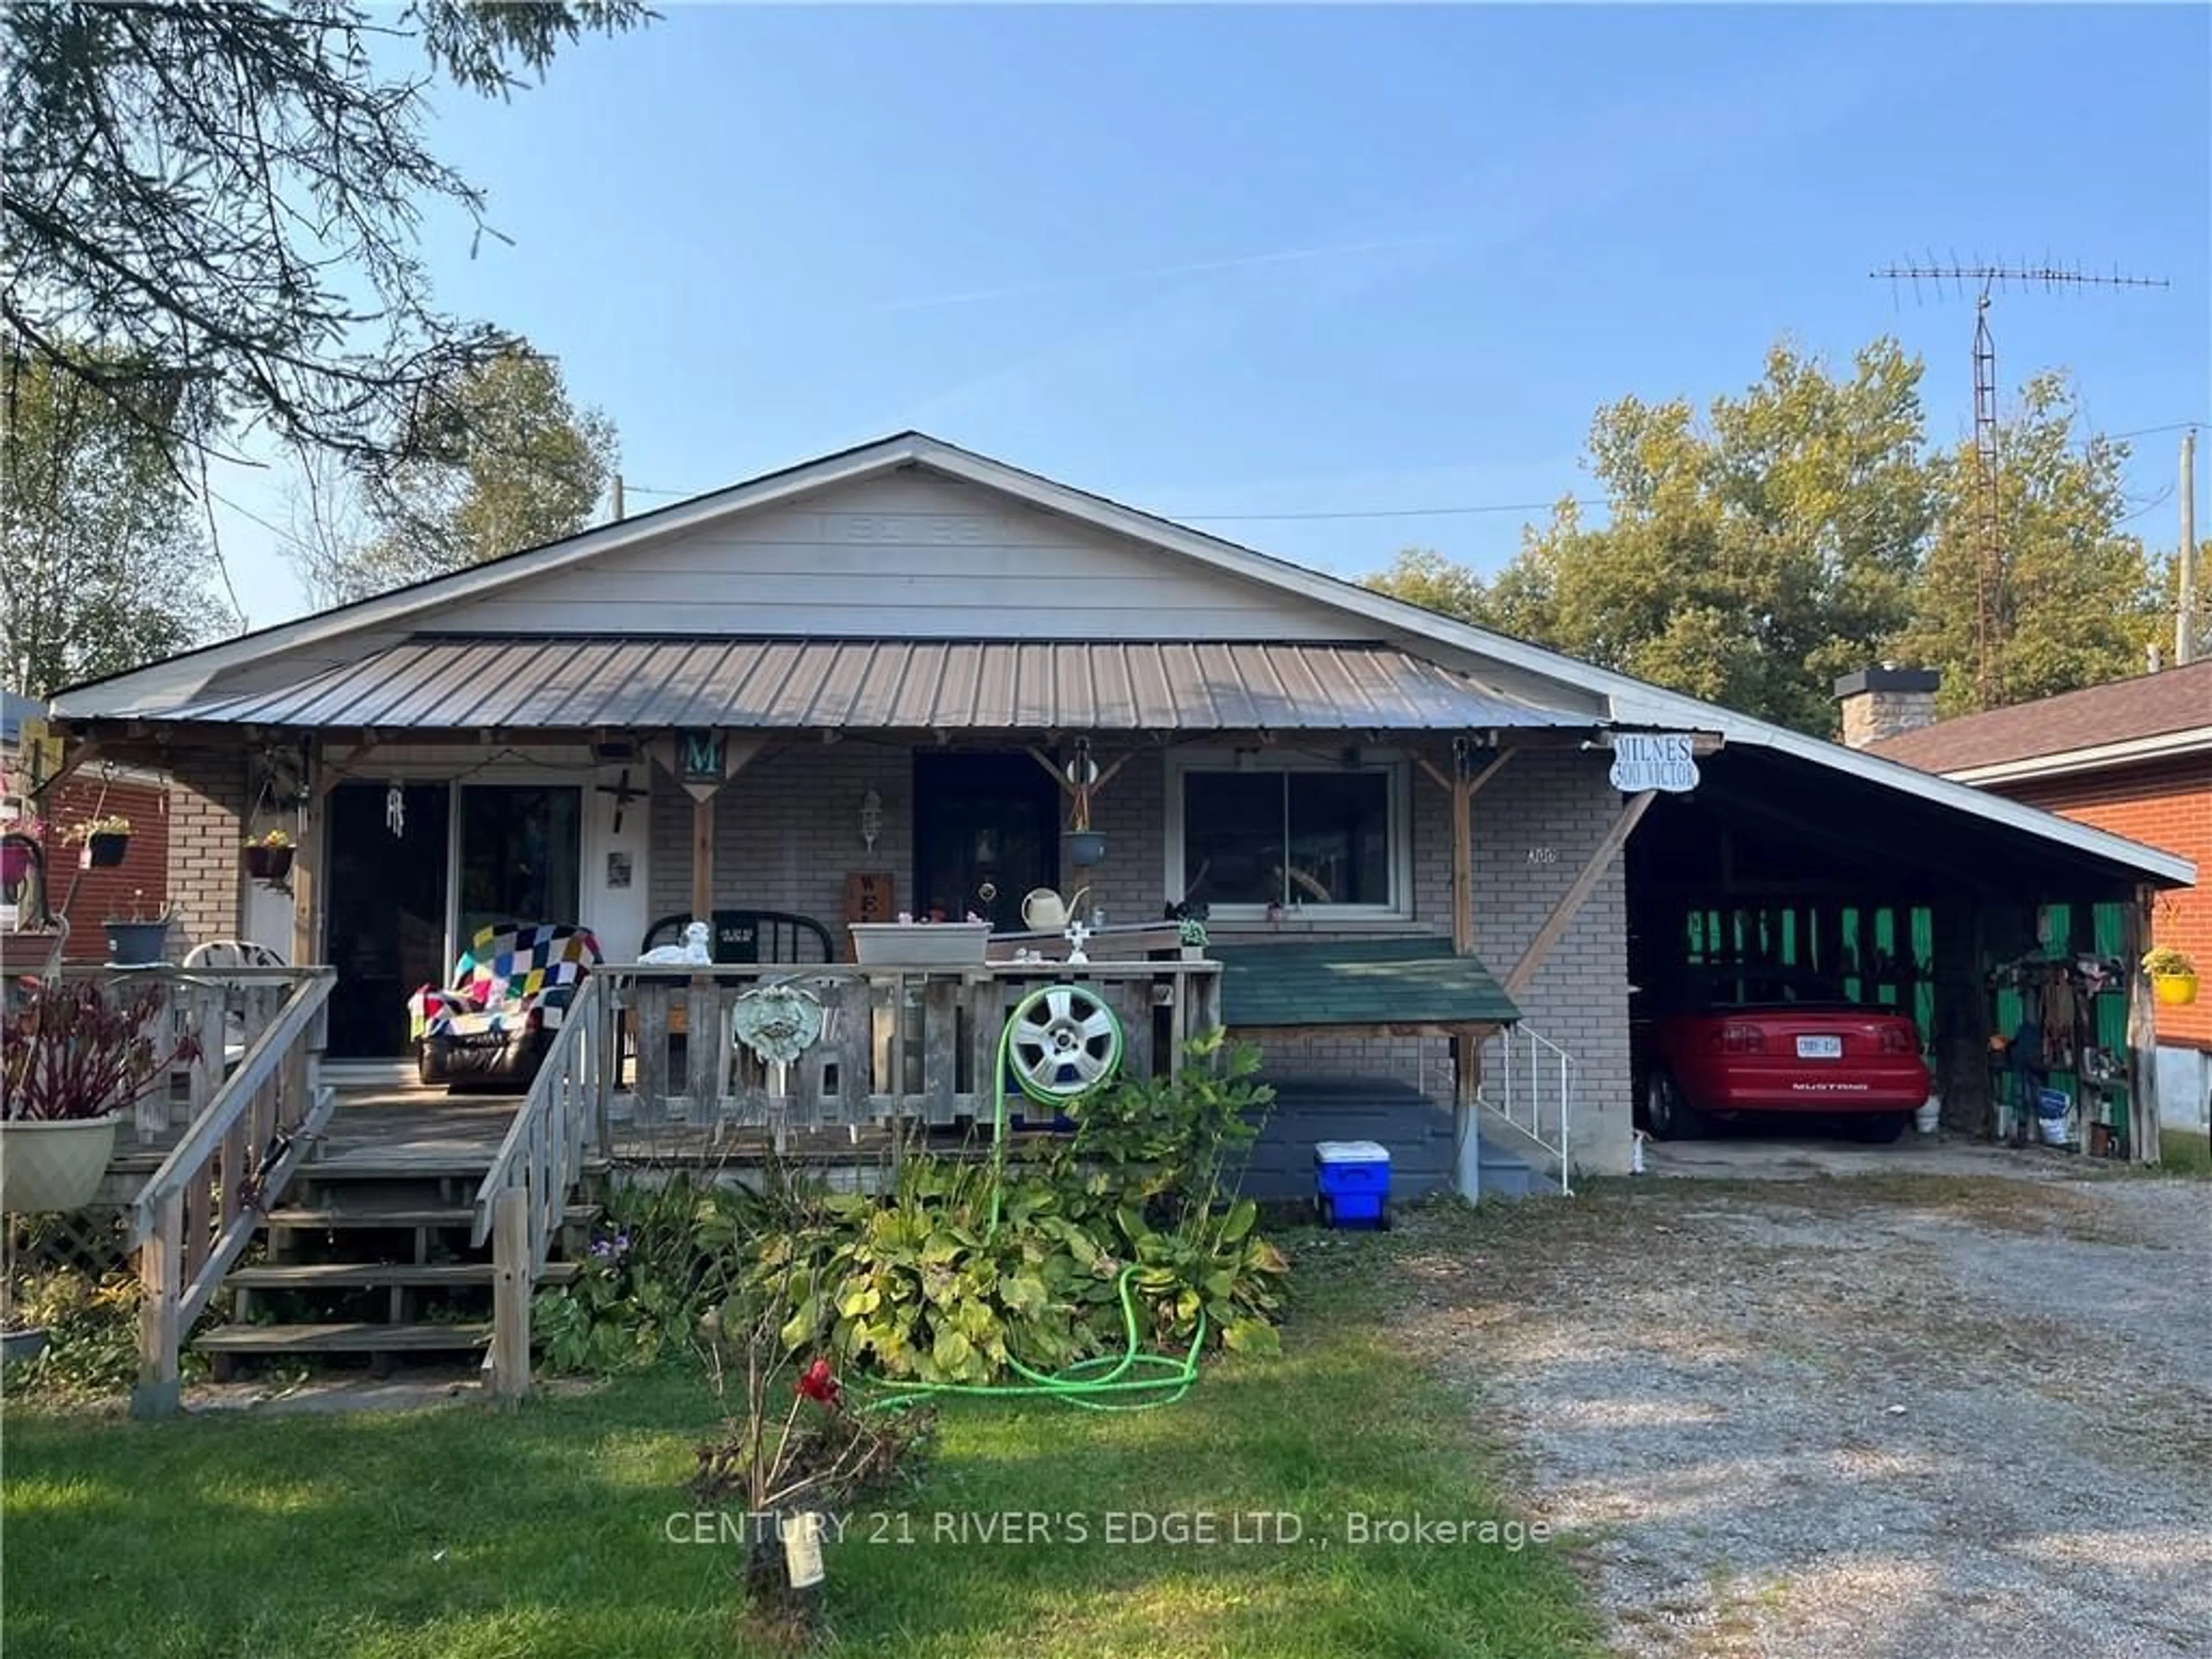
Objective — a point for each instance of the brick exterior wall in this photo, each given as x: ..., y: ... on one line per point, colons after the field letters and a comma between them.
x: 2168, y: 804
x: 90, y: 897
x: 786, y: 835
x: 208, y: 807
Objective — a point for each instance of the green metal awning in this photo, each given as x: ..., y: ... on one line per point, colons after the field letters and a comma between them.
x: 1369, y: 982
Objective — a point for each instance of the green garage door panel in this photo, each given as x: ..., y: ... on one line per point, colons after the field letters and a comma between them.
x: 1395, y: 981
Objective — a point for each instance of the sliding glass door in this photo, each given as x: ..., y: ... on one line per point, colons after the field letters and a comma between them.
x: 521, y: 856
x: 412, y: 879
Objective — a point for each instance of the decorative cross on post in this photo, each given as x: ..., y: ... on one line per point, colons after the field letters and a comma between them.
x: 1079, y: 934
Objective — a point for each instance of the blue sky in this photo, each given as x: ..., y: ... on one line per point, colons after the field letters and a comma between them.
x: 1246, y: 262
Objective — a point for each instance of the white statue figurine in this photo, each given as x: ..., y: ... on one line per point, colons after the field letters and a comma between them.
x: 693, y: 952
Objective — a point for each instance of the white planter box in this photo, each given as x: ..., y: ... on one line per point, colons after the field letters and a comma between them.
x: 921, y: 944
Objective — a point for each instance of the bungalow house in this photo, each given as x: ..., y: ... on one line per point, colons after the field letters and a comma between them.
x: 872, y: 648
x: 1433, y: 861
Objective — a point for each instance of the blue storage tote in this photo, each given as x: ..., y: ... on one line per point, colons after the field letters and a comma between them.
x: 1351, y: 1181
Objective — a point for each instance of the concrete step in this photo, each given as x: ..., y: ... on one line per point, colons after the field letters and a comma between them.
x: 429, y: 1338
x: 1506, y: 1176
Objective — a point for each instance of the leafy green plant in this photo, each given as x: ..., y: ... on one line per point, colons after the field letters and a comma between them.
x: 662, y: 1257
x: 915, y: 1286
x: 91, y: 1321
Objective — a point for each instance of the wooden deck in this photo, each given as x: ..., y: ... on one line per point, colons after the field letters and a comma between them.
x: 387, y: 1131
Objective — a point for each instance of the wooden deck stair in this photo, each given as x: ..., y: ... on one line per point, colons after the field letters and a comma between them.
x: 368, y: 1252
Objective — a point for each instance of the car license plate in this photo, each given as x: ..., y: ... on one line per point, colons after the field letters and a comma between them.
x: 1819, y: 1047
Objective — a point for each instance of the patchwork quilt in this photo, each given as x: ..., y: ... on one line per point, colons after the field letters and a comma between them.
x: 515, y: 977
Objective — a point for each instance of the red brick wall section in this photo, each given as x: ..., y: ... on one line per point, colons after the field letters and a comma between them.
x: 2167, y: 805
x: 90, y: 897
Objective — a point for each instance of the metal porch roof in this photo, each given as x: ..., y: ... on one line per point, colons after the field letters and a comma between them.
x: 445, y: 682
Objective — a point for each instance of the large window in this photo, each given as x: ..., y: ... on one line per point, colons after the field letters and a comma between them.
x: 1319, y: 838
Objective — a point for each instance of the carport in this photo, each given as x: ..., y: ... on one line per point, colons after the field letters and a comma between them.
x: 1957, y: 906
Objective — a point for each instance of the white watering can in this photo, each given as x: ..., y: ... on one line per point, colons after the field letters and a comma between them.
x: 1043, y: 910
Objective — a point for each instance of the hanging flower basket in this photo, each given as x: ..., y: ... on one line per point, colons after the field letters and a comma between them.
x: 265, y: 863
x: 2172, y: 976
x: 106, y: 840
x: 1085, y: 847
x: 2174, y: 990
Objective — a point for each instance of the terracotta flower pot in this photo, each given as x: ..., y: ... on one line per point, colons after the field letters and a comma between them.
x: 2175, y: 990
x: 53, y: 1166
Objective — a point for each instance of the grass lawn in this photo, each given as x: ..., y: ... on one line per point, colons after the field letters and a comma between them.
x: 2183, y: 1152
x: 460, y: 1531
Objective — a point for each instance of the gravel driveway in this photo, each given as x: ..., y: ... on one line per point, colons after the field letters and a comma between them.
x: 1866, y: 1416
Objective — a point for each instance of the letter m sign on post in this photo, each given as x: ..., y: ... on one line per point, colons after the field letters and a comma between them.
x: 699, y: 758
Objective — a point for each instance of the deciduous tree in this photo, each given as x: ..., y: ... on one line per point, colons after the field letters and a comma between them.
x: 103, y: 566
x: 508, y: 462
x: 231, y: 190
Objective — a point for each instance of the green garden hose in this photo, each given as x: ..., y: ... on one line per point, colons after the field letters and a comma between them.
x: 1058, y: 1054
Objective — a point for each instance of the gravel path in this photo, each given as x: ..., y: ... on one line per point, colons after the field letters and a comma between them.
x: 1872, y: 1417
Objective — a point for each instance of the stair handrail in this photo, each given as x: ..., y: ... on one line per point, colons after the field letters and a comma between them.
x: 1533, y: 1071
x: 228, y: 1168
x: 519, y: 1204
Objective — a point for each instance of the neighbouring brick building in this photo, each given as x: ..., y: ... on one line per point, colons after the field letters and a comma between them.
x: 2133, y: 758
x: 884, y: 671
x: 88, y: 897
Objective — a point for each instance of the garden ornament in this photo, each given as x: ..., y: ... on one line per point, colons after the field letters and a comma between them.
x: 693, y: 952
x: 778, y: 1022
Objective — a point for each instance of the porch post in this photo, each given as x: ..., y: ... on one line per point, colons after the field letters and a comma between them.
x: 2142, y: 1032
x: 307, y: 862
x: 702, y: 856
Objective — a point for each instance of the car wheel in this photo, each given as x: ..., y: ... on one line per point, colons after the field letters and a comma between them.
x: 1879, y: 1128
x: 1671, y: 1117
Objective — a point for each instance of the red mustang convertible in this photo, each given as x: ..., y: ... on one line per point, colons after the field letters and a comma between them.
x: 1716, y: 1042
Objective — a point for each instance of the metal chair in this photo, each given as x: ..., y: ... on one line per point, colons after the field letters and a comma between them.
x: 220, y: 953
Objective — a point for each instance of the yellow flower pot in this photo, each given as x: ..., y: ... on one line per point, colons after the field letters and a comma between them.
x: 2175, y: 990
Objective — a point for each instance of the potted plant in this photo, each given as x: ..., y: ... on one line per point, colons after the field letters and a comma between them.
x: 20, y: 850
x: 138, y: 940
x: 1191, y: 932
x: 268, y: 859
x: 73, y: 1056
x: 1085, y: 845
x: 105, y: 839
x: 2172, y: 976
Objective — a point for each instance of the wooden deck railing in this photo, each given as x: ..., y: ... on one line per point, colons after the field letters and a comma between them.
x: 202, y: 1207
x: 224, y: 1011
x: 519, y: 1205
x: 896, y: 1043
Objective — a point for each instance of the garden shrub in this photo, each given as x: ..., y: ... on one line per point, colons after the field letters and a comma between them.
x: 660, y: 1257
x: 914, y: 1285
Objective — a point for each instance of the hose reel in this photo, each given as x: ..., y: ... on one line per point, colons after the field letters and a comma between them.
x: 1060, y: 1042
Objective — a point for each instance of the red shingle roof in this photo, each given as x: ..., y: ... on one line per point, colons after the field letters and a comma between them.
x: 2148, y: 706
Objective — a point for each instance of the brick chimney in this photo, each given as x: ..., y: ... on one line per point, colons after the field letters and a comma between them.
x: 1882, y: 702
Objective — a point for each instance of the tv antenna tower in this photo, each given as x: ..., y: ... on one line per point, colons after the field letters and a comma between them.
x: 1956, y: 278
